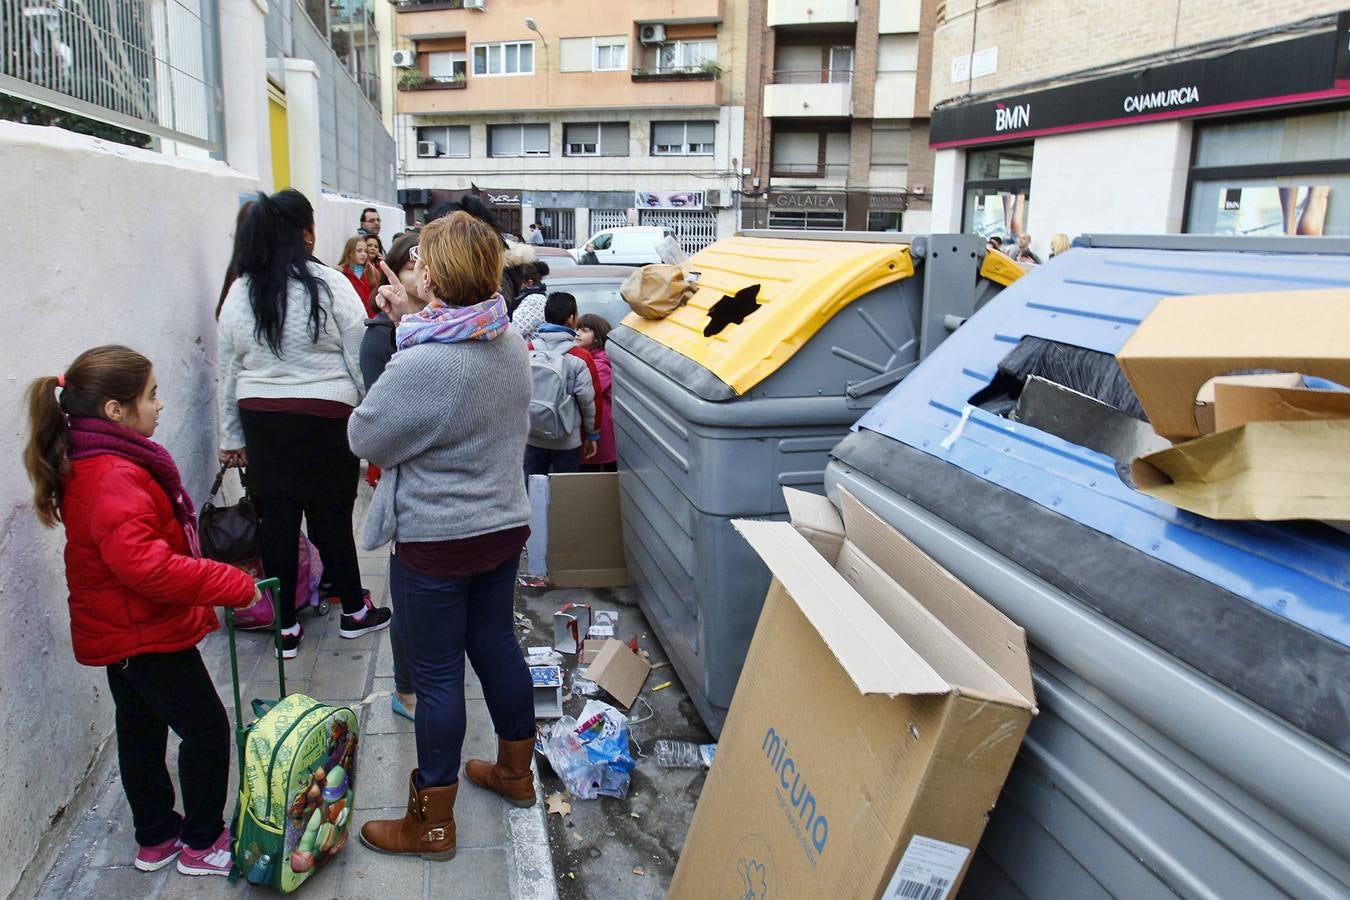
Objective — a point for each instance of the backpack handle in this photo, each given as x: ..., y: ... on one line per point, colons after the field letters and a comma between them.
x: 267, y: 585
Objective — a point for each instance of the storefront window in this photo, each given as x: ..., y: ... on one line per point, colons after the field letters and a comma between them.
x: 998, y: 191
x: 883, y: 220
x: 813, y: 219
x: 1272, y: 176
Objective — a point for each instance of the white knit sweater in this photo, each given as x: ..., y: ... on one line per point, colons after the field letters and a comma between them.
x: 326, y: 369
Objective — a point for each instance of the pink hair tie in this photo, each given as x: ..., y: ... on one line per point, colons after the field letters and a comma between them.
x: 61, y: 381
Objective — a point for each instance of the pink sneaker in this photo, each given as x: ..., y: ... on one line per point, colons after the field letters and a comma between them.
x: 152, y: 859
x: 214, y: 860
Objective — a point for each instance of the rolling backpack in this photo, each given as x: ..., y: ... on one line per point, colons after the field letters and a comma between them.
x: 297, y: 780
x: 553, y: 411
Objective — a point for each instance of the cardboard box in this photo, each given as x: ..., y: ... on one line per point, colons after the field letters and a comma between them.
x: 880, y: 708
x: 1186, y: 341
x: 548, y: 699
x: 620, y: 671
x: 585, y: 534
x: 1238, y: 404
x: 1204, y: 401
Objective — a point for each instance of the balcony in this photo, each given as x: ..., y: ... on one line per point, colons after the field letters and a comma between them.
x: 812, y: 12
x: 802, y: 94
x: 430, y: 19
x: 566, y: 91
x: 705, y: 72
x: 416, y: 81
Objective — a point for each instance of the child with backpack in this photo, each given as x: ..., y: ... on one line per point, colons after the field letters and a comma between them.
x: 592, y: 334
x: 140, y: 595
x: 564, y: 409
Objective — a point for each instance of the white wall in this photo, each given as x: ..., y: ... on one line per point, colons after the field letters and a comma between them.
x: 1127, y: 180
x: 949, y: 175
x: 336, y: 219
x: 121, y: 245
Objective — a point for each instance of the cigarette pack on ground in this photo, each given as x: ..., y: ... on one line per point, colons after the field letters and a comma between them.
x: 881, y: 706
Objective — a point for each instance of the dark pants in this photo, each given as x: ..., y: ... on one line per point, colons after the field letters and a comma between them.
x: 539, y: 461
x: 302, y: 466
x: 403, y: 677
x: 441, y: 619
x: 153, y: 693
x: 600, y: 467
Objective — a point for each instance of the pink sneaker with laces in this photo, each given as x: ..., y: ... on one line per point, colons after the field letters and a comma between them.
x: 156, y: 857
x: 214, y: 860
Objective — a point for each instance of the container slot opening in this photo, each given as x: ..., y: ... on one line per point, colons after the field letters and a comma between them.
x: 1089, y: 372
x: 732, y: 310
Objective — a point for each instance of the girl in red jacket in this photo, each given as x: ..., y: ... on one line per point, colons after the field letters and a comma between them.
x: 140, y: 595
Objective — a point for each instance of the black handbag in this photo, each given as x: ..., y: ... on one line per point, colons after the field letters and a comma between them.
x: 229, y: 533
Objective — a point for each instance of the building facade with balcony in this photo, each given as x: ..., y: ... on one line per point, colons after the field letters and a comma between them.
x: 836, y: 115
x: 576, y: 117
x: 1215, y: 118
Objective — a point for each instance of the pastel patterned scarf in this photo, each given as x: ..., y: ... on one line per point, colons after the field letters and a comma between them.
x: 441, y: 324
x: 98, y: 437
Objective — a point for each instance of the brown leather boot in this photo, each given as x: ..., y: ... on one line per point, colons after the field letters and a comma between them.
x: 511, y: 776
x: 427, y: 828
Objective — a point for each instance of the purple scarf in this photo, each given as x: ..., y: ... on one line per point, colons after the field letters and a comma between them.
x: 90, y: 437
x: 441, y: 324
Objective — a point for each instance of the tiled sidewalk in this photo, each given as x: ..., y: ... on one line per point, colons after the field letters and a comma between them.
x: 503, y: 851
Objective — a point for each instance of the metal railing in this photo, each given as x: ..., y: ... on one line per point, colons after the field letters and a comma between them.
x: 813, y: 76
x: 151, y: 66
x: 810, y: 170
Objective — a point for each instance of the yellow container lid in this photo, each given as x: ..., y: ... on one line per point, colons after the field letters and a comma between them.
x: 801, y: 285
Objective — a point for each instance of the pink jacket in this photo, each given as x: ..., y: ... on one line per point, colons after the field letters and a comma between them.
x: 606, y: 452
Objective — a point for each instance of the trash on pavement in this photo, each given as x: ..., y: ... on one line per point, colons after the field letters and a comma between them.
x: 620, y: 671
x: 590, y: 754
x: 570, y: 624
x: 662, y: 686
x: 684, y: 754
x: 935, y: 718
x: 608, y: 617
x: 547, y: 681
x: 583, y: 687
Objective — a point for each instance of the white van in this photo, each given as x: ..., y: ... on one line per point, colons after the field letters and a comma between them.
x: 630, y: 245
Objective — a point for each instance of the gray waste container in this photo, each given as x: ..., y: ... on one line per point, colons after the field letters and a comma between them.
x: 744, y: 391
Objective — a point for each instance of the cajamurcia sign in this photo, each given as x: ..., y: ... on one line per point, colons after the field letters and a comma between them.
x: 1301, y: 70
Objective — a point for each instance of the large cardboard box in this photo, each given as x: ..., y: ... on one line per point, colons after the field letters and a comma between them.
x: 1186, y: 341
x: 880, y: 708
x: 576, y: 538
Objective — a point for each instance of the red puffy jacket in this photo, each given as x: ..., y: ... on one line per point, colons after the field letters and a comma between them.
x: 134, y: 586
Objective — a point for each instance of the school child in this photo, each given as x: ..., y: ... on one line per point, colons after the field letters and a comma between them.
x: 140, y: 595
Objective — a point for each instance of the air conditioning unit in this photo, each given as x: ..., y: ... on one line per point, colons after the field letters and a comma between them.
x: 717, y: 199
x: 404, y: 59
x: 426, y: 149
x: 652, y: 34
x: 475, y: 4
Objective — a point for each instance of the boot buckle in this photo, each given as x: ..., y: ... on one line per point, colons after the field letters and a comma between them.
x: 435, y: 834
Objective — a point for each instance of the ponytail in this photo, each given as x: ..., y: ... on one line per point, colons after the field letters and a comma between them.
x: 111, y: 372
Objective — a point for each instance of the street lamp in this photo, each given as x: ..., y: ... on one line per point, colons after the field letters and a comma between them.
x: 534, y: 26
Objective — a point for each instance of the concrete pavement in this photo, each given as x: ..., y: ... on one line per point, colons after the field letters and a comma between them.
x: 503, y: 851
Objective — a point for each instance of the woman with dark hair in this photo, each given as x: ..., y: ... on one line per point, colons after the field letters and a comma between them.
x: 290, y: 339
x: 359, y: 269
x: 447, y: 420
x: 230, y: 273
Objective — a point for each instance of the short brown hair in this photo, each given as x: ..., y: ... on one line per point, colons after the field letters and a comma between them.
x: 598, y: 325
x: 463, y: 256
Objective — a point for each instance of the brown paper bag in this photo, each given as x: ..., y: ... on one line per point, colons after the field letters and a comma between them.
x: 656, y: 291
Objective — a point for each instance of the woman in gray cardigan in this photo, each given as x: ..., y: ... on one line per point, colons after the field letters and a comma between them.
x: 447, y: 423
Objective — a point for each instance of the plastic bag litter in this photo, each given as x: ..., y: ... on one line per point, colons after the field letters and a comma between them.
x: 590, y: 754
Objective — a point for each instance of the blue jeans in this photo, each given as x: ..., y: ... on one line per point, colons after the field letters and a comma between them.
x: 539, y: 461
x: 441, y: 619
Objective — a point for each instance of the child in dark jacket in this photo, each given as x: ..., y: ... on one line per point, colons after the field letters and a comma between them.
x: 140, y: 595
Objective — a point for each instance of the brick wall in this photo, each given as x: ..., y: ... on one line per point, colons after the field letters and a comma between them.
x: 759, y: 50
x: 1039, y: 39
x: 920, y: 156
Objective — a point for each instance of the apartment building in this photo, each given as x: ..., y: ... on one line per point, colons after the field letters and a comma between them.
x: 576, y: 116
x: 836, y: 115
x: 1205, y: 118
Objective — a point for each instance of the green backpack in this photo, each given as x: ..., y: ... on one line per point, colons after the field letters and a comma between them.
x: 297, y: 782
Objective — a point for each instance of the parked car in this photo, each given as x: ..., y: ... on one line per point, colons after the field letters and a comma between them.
x: 556, y: 257
x: 629, y: 245
x: 595, y: 287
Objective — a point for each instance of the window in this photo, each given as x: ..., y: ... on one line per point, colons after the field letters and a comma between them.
x: 683, y: 138
x: 811, y: 154
x: 883, y: 220
x: 818, y: 219
x: 595, y: 139
x: 890, y: 145
x: 998, y: 191
x: 841, y: 65
x: 611, y: 54
x: 510, y: 58
x: 448, y: 65
x: 518, y: 140
x: 450, y: 140
x: 682, y: 56
x: 1280, y: 175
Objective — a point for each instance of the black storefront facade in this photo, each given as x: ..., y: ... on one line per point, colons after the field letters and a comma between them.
x: 1261, y: 132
